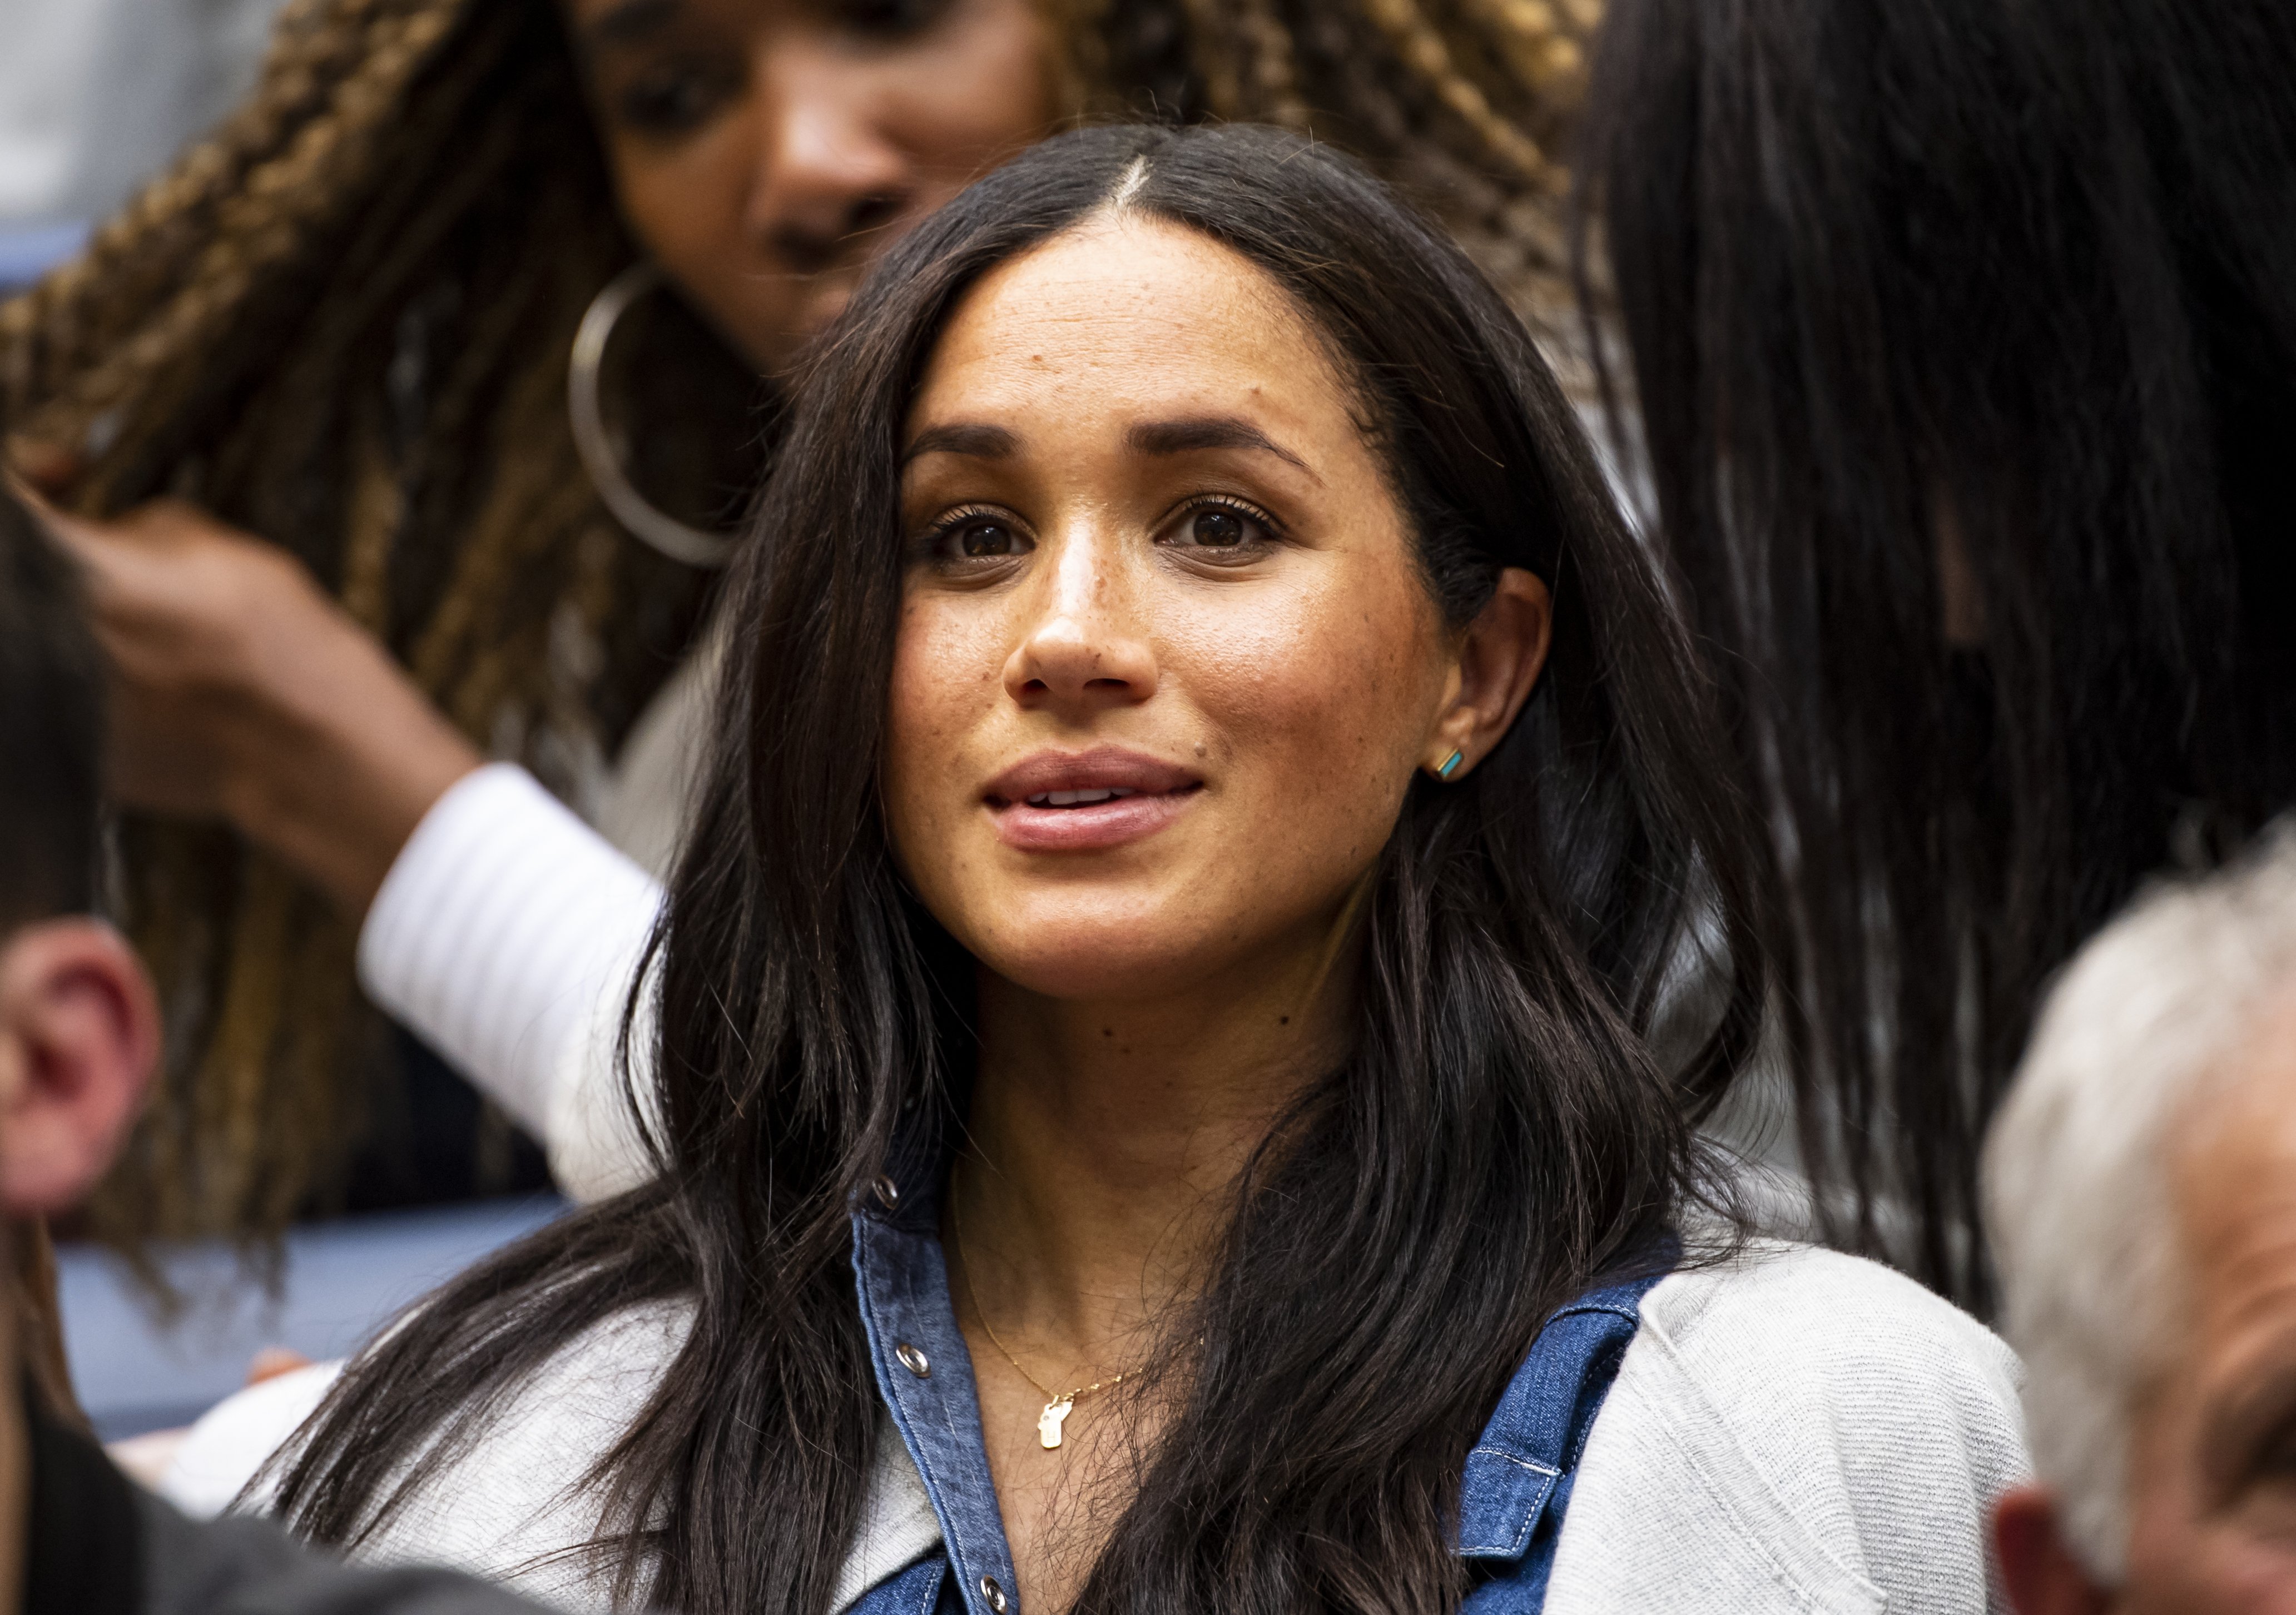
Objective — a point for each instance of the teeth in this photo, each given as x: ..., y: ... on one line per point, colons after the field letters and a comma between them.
x: 1073, y: 798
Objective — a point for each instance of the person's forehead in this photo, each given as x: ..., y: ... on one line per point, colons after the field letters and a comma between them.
x: 1122, y: 311
x: 2235, y: 1176
x: 2249, y: 1103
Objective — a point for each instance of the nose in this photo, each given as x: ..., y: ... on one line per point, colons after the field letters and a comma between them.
x: 1080, y: 650
x: 828, y: 177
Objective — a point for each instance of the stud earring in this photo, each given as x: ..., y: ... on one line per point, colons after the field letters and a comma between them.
x: 1449, y: 763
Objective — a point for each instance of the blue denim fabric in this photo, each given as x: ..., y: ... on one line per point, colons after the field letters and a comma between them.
x: 1512, y: 1500
x: 1519, y: 1477
x: 904, y: 1305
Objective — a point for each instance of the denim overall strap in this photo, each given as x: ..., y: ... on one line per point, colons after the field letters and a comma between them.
x: 1517, y: 1485
x: 925, y: 1375
x: 922, y: 1589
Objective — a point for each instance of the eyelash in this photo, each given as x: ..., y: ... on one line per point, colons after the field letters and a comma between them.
x: 678, y: 94
x: 890, y: 19
x: 675, y: 98
x: 937, y: 538
x: 1230, y: 503
x: 933, y: 545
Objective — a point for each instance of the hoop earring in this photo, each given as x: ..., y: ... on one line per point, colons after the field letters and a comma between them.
x: 664, y: 534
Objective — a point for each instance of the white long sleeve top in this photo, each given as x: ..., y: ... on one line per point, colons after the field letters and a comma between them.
x: 508, y: 935
x: 1794, y: 1429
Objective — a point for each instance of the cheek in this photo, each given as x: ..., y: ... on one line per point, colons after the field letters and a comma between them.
x: 2188, y: 1552
x: 687, y: 208
x: 991, y: 91
x: 2191, y: 1566
x: 686, y: 203
x: 1323, y: 704
x: 946, y: 678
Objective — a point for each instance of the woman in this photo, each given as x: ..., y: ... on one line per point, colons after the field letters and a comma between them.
x: 1205, y: 792
x: 344, y: 325
x: 1964, y: 335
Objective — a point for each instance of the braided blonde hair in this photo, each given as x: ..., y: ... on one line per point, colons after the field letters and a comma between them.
x: 342, y: 323
x: 332, y: 323
x: 1464, y: 103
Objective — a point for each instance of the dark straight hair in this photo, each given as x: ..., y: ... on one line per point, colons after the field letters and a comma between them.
x: 1498, y: 1137
x: 1987, y: 309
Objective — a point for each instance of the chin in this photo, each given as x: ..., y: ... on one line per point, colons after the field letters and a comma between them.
x: 1073, y: 981
x: 1093, y: 954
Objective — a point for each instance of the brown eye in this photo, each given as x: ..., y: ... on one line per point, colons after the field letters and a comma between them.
x: 889, y: 19
x: 1223, y: 528
x: 1218, y: 527
x: 677, y: 97
x: 967, y: 540
x: 976, y: 539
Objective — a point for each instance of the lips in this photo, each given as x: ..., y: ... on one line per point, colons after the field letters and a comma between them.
x: 1087, y: 801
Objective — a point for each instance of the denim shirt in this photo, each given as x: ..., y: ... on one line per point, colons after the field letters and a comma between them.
x: 1512, y: 1496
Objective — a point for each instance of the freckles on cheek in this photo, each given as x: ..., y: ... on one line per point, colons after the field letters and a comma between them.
x: 1333, y: 697
x: 945, y: 679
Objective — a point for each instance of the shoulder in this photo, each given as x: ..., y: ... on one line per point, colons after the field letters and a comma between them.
x: 227, y: 1445
x: 1794, y: 1418
x: 518, y: 1507
x: 194, y: 1567
x: 514, y: 1506
x: 1841, y: 1321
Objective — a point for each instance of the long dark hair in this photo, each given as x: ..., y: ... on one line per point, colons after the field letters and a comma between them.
x: 1912, y: 283
x: 1499, y: 1135
x: 342, y: 322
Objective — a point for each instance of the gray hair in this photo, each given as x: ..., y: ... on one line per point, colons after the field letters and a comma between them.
x: 2076, y: 1189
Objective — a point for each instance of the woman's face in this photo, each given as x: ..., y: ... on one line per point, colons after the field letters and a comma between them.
x: 1165, y: 664
x: 766, y: 151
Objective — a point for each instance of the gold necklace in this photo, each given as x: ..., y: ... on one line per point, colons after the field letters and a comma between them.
x: 1058, y: 1404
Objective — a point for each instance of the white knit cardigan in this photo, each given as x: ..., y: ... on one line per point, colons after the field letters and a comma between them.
x: 1793, y: 1430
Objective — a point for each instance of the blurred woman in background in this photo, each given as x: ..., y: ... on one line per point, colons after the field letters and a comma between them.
x: 304, y: 408
x: 1964, y: 337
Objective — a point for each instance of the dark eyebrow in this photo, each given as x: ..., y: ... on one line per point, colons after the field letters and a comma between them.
x: 628, y: 23
x: 1195, y: 432
x: 1207, y: 431
x: 974, y: 441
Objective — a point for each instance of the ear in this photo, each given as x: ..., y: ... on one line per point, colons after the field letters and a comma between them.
x: 80, y: 1033
x: 1500, y: 657
x: 2037, y: 1567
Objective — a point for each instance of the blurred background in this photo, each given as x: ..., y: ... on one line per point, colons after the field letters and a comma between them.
x: 97, y: 96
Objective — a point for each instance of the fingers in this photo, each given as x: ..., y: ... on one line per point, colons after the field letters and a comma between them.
x: 86, y: 541
x: 270, y: 1361
x: 243, y: 691
x: 173, y: 559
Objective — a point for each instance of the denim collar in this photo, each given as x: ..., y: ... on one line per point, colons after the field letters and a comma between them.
x: 925, y: 1375
x: 1512, y: 1496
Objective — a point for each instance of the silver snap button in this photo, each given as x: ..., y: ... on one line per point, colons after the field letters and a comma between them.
x: 994, y: 1594
x: 911, y: 1359
x: 888, y: 1192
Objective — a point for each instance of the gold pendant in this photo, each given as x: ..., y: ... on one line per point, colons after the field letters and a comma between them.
x: 1048, y: 1422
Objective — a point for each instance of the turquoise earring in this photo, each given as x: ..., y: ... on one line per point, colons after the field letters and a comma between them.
x: 1449, y: 763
